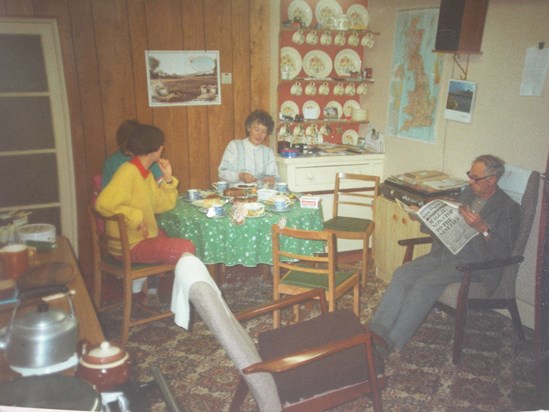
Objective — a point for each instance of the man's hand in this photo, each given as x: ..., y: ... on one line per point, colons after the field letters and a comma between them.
x: 269, y: 181
x: 473, y: 219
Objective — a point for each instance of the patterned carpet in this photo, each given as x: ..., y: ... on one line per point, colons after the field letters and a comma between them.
x: 496, y: 374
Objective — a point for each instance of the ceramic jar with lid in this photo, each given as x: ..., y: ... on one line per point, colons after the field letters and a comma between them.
x: 105, y: 366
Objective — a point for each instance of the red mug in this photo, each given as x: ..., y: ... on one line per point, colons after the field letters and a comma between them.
x: 15, y: 259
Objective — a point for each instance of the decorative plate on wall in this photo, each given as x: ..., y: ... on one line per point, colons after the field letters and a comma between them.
x: 336, y: 105
x: 317, y: 64
x: 349, y: 137
x: 346, y: 62
x: 358, y: 17
x: 349, y: 106
x: 326, y: 11
x: 289, y: 108
x: 291, y: 58
x: 301, y: 11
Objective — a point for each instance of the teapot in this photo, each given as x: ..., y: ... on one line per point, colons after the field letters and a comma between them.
x: 106, y: 366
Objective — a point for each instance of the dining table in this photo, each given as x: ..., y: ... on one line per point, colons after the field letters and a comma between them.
x: 223, y: 241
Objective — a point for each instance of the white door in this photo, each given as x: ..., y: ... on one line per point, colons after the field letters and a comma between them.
x: 36, y: 167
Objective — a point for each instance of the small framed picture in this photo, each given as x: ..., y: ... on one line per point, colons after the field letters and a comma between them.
x: 330, y: 113
x: 461, y: 97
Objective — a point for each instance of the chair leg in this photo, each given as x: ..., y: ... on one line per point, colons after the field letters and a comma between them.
x: 356, y: 299
x: 126, y: 311
x: 459, y: 333
x: 97, y: 287
x: 239, y: 395
x: 365, y: 261
x: 513, y: 310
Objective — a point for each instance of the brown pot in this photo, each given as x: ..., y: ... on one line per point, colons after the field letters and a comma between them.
x: 105, y: 366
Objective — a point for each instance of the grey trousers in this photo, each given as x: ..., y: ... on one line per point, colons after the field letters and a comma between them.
x: 411, y: 294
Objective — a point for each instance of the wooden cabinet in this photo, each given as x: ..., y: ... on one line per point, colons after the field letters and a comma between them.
x: 393, y: 224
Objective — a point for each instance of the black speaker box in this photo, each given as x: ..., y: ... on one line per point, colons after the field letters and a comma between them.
x: 460, y: 25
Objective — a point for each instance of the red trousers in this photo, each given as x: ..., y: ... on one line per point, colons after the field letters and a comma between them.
x: 161, y: 249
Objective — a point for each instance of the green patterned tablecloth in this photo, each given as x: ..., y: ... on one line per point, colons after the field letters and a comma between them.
x: 248, y: 244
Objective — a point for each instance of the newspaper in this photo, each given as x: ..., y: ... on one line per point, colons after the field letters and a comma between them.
x: 443, y: 219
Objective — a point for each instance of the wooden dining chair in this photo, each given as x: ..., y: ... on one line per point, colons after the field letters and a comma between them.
x: 313, y: 365
x: 123, y: 268
x: 354, y: 191
x: 295, y: 273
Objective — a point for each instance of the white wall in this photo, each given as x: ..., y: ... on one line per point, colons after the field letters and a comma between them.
x: 505, y: 124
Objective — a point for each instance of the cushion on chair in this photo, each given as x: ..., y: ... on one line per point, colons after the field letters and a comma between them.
x: 333, y: 372
x: 312, y: 280
x: 348, y: 224
x: 135, y: 266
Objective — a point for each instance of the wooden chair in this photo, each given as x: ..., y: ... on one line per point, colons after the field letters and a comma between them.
x: 103, y: 262
x: 313, y: 365
x: 295, y: 273
x: 347, y: 224
x: 458, y: 298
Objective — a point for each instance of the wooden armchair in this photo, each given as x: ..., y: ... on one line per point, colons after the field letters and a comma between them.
x: 458, y: 298
x: 313, y: 365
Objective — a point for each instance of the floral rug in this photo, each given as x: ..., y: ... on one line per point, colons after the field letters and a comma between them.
x: 497, y: 372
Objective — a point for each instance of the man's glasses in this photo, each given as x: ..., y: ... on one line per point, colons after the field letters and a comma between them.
x: 476, y: 179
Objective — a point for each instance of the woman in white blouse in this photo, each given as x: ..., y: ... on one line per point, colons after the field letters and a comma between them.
x: 248, y: 160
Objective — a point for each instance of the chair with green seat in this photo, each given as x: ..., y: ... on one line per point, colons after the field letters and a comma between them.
x: 354, y: 191
x: 122, y: 268
x: 294, y: 273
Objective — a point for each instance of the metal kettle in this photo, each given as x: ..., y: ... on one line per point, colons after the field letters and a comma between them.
x: 43, y: 337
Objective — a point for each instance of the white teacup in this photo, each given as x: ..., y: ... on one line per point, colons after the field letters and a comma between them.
x: 312, y: 37
x: 324, y: 89
x: 367, y: 40
x: 353, y: 40
x: 296, y: 89
x: 326, y: 39
x: 282, y: 187
x: 192, y: 194
x: 310, y: 90
x: 281, y: 202
x: 350, y: 89
x: 340, y: 39
x: 220, y: 186
x: 298, y: 37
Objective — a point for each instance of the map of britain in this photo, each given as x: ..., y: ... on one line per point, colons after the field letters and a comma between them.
x: 415, y: 77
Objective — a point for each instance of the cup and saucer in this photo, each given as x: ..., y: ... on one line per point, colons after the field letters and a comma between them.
x: 280, y: 204
x: 192, y: 195
x: 215, y: 212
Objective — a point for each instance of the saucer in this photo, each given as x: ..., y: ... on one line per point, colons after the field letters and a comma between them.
x: 224, y: 214
x: 273, y: 210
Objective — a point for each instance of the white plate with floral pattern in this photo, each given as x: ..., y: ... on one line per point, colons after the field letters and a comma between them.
x: 346, y: 62
x: 289, y: 108
x: 349, y: 137
x: 317, y: 64
x: 336, y: 105
x: 326, y: 11
x: 349, y: 106
x: 291, y: 58
x: 299, y: 10
x: 358, y: 17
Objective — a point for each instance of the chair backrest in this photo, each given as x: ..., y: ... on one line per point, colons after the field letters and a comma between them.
x: 521, y: 185
x: 354, y: 190
x: 238, y: 345
x: 320, y: 264
x: 112, y: 242
x: 96, y: 188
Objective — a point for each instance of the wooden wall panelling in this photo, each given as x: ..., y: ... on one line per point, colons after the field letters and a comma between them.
x: 112, y: 38
x: 219, y: 36
x: 20, y: 8
x: 196, y: 120
x: 241, y: 18
x: 259, y: 54
x: 171, y: 119
x: 138, y: 35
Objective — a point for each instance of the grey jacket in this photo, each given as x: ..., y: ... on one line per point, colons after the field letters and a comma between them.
x: 502, y: 214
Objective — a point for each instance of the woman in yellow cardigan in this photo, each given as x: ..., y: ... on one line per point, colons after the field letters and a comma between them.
x: 134, y: 193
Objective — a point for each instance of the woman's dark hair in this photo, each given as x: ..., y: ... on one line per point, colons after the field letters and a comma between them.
x: 145, y: 139
x: 261, y: 117
x: 123, y: 132
x: 494, y: 165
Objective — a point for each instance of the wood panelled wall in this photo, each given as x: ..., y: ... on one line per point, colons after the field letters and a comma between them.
x: 103, y: 46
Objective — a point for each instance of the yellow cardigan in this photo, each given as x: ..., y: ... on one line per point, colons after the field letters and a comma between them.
x: 138, y: 199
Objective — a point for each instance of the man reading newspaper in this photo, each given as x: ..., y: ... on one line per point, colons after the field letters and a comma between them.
x: 493, y: 218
